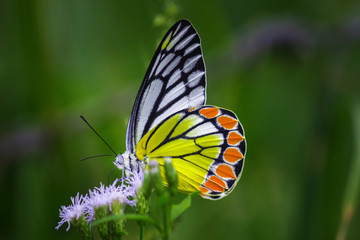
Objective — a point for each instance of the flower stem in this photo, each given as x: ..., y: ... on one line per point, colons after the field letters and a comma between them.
x: 141, y: 231
x: 166, y: 220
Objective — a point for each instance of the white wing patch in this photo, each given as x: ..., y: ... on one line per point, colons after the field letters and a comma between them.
x: 184, y: 43
x: 148, y: 100
x: 202, y: 129
x: 190, y: 63
x: 164, y: 62
x: 171, y: 66
x: 177, y: 106
x: 196, y: 96
x: 174, y: 93
x: 194, y: 78
x: 174, y: 77
x: 191, y: 48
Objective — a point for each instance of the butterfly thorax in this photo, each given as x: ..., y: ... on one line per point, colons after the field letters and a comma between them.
x: 129, y: 162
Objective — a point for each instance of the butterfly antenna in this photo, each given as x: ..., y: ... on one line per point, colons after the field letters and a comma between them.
x: 97, y: 134
x: 103, y: 155
x: 112, y: 170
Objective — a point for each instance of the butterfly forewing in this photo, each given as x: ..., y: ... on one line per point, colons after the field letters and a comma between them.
x: 206, y: 146
x: 175, y: 80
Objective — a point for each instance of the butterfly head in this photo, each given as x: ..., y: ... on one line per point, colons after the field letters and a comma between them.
x: 128, y: 162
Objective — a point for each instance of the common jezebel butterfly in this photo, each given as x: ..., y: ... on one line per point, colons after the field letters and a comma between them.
x: 169, y: 119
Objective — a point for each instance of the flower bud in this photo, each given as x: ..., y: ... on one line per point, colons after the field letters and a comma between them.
x: 142, y: 205
x: 82, y: 227
x: 155, y: 177
x: 171, y: 176
x: 103, y: 228
x: 147, y: 184
x: 117, y: 226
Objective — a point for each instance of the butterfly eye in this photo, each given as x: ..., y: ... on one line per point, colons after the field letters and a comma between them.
x: 119, y: 161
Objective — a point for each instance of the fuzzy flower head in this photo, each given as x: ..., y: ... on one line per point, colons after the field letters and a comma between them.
x: 135, y: 179
x: 106, y: 195
x: 72, y: 212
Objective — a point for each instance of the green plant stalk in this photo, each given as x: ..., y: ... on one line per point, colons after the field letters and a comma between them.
x: 141, y: 231
x: 171, y: 190
x: 166, y: 219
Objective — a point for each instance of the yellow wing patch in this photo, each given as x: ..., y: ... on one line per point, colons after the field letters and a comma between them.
x: 166, y: 41
x: 186, y: 124
x: 153, y: 139
x: 174, y: 148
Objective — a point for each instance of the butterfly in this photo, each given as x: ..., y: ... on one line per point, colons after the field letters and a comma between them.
x: 169, y: 119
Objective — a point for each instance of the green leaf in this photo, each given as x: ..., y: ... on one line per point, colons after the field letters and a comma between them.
x: 180, y: 208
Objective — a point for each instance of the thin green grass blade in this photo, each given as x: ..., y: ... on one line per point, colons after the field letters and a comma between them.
x: 353, y: 185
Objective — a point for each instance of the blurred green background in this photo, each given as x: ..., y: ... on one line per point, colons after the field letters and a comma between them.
x: 289, y: 69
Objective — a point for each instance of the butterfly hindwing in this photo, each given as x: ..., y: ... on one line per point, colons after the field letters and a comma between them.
x: 175, y: 80
x: 206, y: 146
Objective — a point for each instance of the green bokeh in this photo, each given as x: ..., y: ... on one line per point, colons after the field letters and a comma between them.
x: 288, y: 69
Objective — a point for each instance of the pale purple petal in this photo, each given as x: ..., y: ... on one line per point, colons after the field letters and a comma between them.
x: 74, y: 211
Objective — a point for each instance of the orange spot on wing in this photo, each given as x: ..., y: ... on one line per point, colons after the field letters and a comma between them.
x: 192, y: 109
x: 227, y: 122
x: 232, y: 155
x: 204, y: 190
x: 218, y: 181
x: 210, y: 112
x: 225, y: 171
x: 234, y: 138
x: 213, y: 186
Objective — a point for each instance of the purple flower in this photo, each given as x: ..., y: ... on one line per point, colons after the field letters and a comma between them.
x: 124, y: 194
x: 135, y: 179
x: 106, y: 195
x: 74, y: 211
